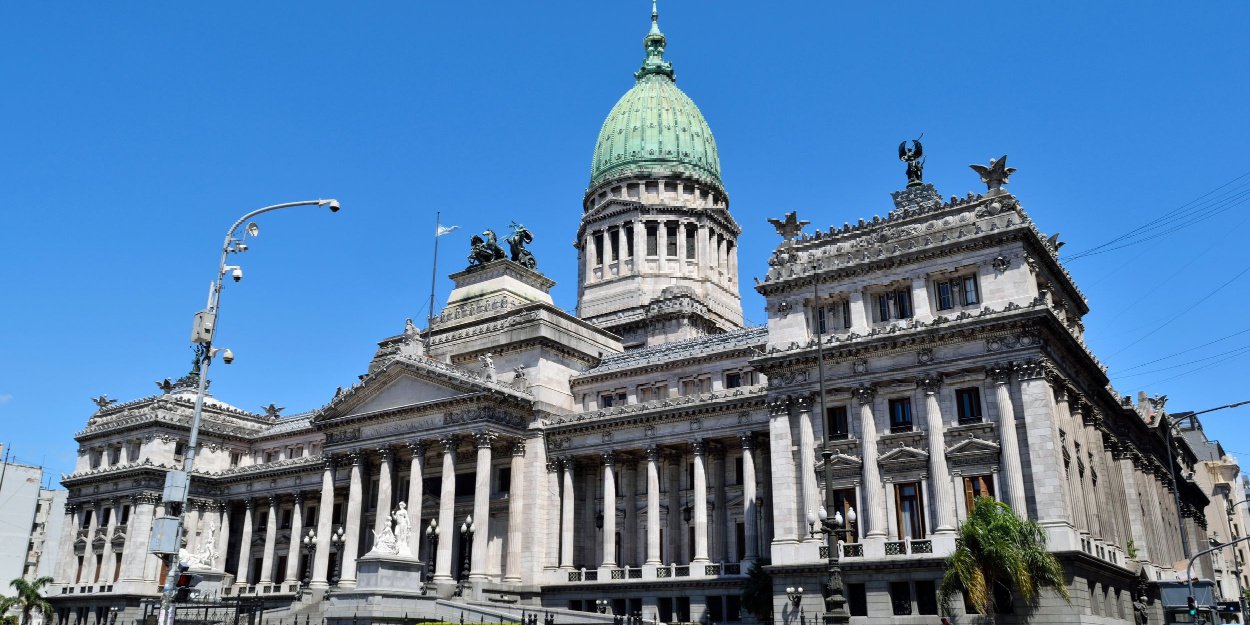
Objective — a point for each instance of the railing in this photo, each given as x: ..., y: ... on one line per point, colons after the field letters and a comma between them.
x: 922, y: 546
x: 592, y: 576
x: 900, y: 429
x: 634, y: 573
x: 618, y: 573
x: 824, y: 552
x: 711, y: 569
x: 896, y: 548
x: 575, y: 576
x: 853, y: 550
x: 681, y: 570
x: 731, y: 568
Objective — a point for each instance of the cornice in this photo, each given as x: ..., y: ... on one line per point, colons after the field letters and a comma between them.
x: 658, y: 411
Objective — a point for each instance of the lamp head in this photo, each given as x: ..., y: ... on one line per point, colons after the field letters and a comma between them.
x: 811, y: 517
x: 824, y: 514
x: 333, y: 204
x: 850, y: 515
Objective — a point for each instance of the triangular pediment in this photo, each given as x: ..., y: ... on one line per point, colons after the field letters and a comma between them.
x: 408, y: 381
x: 973, y: 446
x: 903, y: 454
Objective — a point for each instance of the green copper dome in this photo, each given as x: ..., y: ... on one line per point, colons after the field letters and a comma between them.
x: 655, y: 127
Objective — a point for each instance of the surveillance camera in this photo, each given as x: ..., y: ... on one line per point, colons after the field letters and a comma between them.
x: 237, y: 273
x: 227, y: 356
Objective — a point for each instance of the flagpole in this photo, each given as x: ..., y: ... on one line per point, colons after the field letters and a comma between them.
x: 429, y: 320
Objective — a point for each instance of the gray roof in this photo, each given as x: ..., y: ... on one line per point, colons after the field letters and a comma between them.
x: 681, y: 350
x: 290, y: 425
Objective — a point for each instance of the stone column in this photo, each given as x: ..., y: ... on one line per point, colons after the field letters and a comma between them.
x: 874, y: 489
x: 416, y: 484
x: 223, y: 533
x: 700, y: 503
x: 640, y: 244
x: 701, y: 251
x: 749, y: 510
x: 351, y: 543
x: 859, y: 314
x: 446, y: 510
x: 481, y: 505
x: 939, y: 475
x: 516, y: 512
x: 566, y: 516
x: 245, y: 545
x: 785, y: 499
x: 1074, y: 449
x: 68, y: 564
x: 718, y: 548
x: 138, y: 532
x: 661, y: 240
x: 293, y: 548
x: 271, y: 538
x: 653, y: 505
x: 110, y: 568
x: 629, y: 503
x: 681, y: 247
x: 609, y: 510
x: 552, y: 501
x: 1007, y: 440
x: 812, y: 501
x: 325, y: 511
x: 588, y: 257
x: 382, y: 520
x: 1054, y: 505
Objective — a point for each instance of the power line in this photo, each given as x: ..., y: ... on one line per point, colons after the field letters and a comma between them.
x: 1240, y: 350
x: 1185, y: 351
x: 1182, y: 313
x: 1192, y: 371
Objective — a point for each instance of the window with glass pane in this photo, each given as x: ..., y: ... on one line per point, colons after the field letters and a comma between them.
x: 968, y: 404
x: 926, y: 597
x: 844, y: 502
x: 900, y: 597
x: 670, y: 240
x: 944, y: 300
x: 970, y: 291
x: 977, y: 486
x: 690, y: 231
x: 653, y: 241
x: 902, y: 302
x: 598, y: 240
x: 733, y: 379
x: 629, y: 241
x: 910, y: 511
x: 883, y: 308
x: 846, y: 314
x: 614, y: 244
x: 837, y: 423
x: 820, y: 324
x: 900, y: 415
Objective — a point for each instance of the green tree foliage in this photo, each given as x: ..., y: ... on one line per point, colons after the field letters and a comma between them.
x: 30, y: 597
x: 999, y: 550
x: 757, y: 591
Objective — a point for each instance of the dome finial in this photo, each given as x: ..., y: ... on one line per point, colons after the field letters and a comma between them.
x: 654, y: 44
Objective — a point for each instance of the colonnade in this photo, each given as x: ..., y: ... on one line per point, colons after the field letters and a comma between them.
x: 714, y: 255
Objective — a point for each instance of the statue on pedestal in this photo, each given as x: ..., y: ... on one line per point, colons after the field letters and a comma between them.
x: 914, y: 157
x: 403, y: 530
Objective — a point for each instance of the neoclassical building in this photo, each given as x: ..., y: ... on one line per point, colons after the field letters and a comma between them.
x: 640, y: 456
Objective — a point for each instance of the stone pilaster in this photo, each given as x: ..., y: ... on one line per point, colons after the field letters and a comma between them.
x: 293, y: 546
x: 1073, y: 451
x: 138, y: 532
x: 566, y: 516
x: 516, y: 513
x: 223, y: 533
x: 749, y: 509
x: 271, y: 539
x: 785, y: 483
x: 1054, y: 506
x: 812, y: 501
x: 245, y: 545
x: 552, y: 500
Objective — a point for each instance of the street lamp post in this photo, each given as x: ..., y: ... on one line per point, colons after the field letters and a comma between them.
x: 431, y: 538
x: 167, y: 530
x: 337, y: 538
x: 310, y: 549
x: 1172, y: 468
x: 466, y: 536
x: 832, y: 528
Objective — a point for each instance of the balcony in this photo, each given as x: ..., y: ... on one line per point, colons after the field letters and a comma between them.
x: 665, y: 571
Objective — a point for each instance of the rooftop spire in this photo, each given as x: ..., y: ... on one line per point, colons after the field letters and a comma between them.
x: 654, y: 44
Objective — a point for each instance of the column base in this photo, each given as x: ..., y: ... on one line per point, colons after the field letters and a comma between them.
x: 319, y: 584
x: 346, y: 584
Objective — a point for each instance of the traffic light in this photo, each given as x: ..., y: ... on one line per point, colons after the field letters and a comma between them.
x: 1193, y: 605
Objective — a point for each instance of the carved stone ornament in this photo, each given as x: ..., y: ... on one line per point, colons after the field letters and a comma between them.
x: 924, y: 356
x: 860, y: 365
x: 865, y: 394
x: 1000, y: 264
x: 789, y: 227
x: 929, y: 383
x: 995, y: 175
x: 1001, y: 374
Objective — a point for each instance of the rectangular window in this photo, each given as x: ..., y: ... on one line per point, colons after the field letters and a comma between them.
x: 926, y: 597
x: 505, y: 480
x: 910, y: 511
x: 977, y: 486
x: 690, y: 245
x: 614, y: 244
x: 820, y: 321
x: 286, y: 519
x: 180, y: 448
x: 902, y: 303
x: 883, y: 308
x: 944, y: 299
x: 900, y: 597
x: 105, y: 515
x: 466, y: 484
x: 125, y: 518
x: 846, y: 314
x: 968, y: 404
x: 629, y: 241
x: 78, y: 575
x: 670, y: 240
x: 310, y: 519
x: 86, y: 519
x: 96, y: 457
x: 235, y: 458
x: 133, y: 453
x: 836, y: 423
x: 598, y: 243
x: 900, y: 415
x: 733, y: 379
x: 844, y: 501
x: 606, y: 400
x: 653, y: 240
x: 970, y: 291
x: 115, y: 455
x: 337, y: 516
x: 738, y: 469
x: 857, y: 599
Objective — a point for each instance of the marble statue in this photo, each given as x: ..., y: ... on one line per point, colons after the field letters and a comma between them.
x: 488, y: 366
x: 206, y: 557
x: 403, y: 530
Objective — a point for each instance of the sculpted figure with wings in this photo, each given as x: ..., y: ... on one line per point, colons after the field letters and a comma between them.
x: 996, y: 175
x: 914, y: 157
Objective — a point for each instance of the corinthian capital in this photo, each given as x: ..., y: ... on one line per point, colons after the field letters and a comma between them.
x: 484, y: 439
x: 929, y: 383
x: 865, y: 394
x: 1000, y: 373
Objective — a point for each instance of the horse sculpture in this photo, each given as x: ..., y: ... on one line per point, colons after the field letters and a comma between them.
x: 517, y: 242
x: 484, y: 248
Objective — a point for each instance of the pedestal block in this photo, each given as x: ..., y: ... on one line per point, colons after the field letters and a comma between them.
x: 389, y: 575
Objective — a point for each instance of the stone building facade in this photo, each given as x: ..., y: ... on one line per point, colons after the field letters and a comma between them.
x: 641, y: 455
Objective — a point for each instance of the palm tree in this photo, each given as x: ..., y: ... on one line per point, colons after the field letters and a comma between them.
x: 999, y: 552
x: 30, y: 597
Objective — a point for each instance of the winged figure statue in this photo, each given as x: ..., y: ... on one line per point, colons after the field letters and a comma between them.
x: 914, y: 157
x: 996, y: 175
x: 789, y: 227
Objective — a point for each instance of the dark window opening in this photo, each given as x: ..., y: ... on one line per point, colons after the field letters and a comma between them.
x: 670, y: 240
x: 653, y: 241
x: 733, y: 379
x: 968, y: 404
x: 466, y: 484
x: 926, y: 597
x: 690, y: 245
x: 598, y: 243
x: 614, y: 244
x: 838, y: 425
x: 900, y: 597
x: 900, y: 415
x: 505, y: 480
x: 629, y: 241
x: 857, y: 599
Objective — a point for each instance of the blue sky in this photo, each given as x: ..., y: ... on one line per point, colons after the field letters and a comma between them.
x: 133, y: 134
